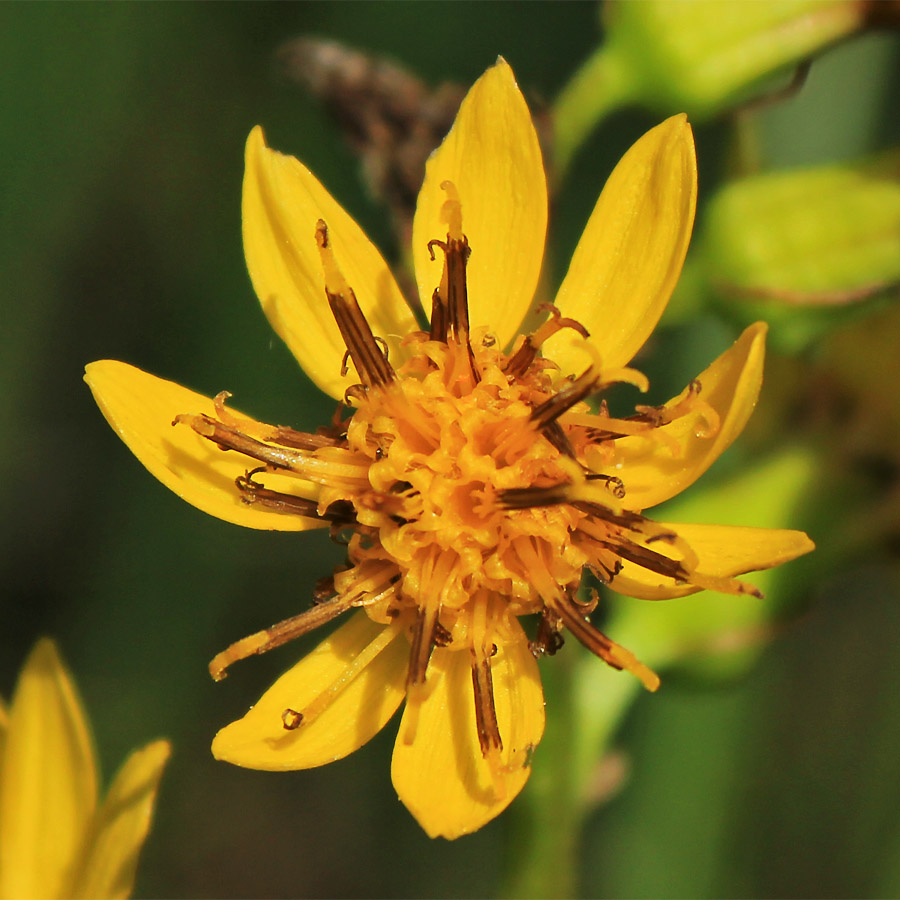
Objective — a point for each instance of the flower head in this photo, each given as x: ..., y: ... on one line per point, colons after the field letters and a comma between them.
x: 55, y: 839
x: 476, y: 481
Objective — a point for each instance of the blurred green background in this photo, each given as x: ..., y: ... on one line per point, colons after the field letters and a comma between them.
x: 122, y: 130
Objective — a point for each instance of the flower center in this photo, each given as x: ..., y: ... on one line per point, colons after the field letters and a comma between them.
x: 442, y: 451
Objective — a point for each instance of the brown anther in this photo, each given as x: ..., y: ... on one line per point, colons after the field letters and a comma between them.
x: 520, y: 362
x: 302, y: 440
x: 227, y: 437
x: 557, y: 437
x: 423, y: 641
x: 291, y: 719
x: 456, y: 293
x: 592, y: 638
x: 276, y: 635
x: 450, y: 301
x: 651, y: 560
x: 532, y: 497
x: 485, y: 709
x: 456, y: 257
x: 623, y: 519
x: 564, y: 400
x: 370, y: 362
x: 439, y: 324
x: 682, y: 570
x: 252, y: 493
x: 599, y: 644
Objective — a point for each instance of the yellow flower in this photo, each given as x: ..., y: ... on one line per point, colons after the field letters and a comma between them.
x: 55, y: 840
x: 475, y: 480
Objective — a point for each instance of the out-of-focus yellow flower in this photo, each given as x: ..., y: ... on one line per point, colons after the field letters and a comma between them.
x: 56, y: 840
x: 477, y: 482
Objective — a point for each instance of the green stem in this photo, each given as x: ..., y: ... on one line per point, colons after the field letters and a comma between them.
x: 585, y: 704
x: 541, y: 858
x: 599, y: 87
x: 601, y: 697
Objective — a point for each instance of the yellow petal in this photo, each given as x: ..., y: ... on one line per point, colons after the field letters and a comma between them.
x: 140, y: 407
x: 108, y: 865
x: 262, y: 740
x: 282, y: 203
x: 49, y: 779
x: 722, y: 551
x: 630, y: 255
x: 493, y: 157
x: 654, y: 471
x: 4, y: 723
x: 442, y: 777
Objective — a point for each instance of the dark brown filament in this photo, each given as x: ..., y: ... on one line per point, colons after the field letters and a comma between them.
x: 450, y: 302
x: 302, y: 440
x: 592, y: 638
x: 368, y: 357
x: 530, y: 497
x: 573, y: 393
x: 485, y: 708
x: 278, y: 634
x: 423, y: 641
x: 228, y: 438
x: 252, y: 492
